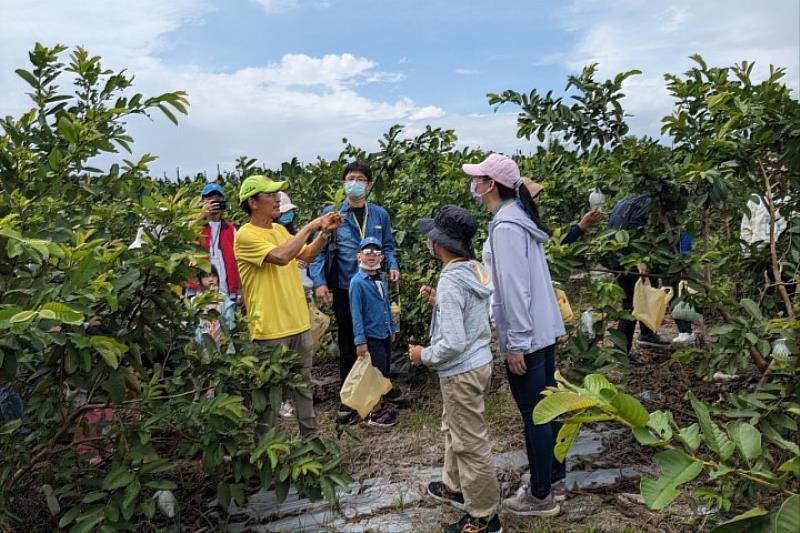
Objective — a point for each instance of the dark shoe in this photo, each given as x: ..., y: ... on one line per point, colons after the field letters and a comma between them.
x: 398, y: 400
x: 385, y: 417
x: 345, y: 415
x: 652, y: 340
x: 438, y: 491
x: 468, y: 524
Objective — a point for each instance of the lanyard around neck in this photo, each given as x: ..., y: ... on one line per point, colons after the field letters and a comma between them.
x: 362, y: 228
x: 455, y: 260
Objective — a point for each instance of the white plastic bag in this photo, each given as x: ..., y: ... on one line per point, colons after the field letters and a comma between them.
x: 587, y: 323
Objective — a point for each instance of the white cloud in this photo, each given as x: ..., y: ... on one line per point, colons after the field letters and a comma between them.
x: 282, y: 6
x: 297, y: 106
x: 467, y: 71
x: 427, y: 113
x: 657, y: 40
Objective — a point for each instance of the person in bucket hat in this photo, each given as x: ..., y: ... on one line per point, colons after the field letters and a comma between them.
x: 273, y: 293
x: 459, y: 352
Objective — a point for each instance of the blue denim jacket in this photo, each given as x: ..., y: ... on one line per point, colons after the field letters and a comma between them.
x: 348, y: 239
x: 371, y: 314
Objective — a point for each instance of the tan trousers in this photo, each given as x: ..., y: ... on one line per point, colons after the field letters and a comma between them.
x: 303, y: 400
x: 468, y: 464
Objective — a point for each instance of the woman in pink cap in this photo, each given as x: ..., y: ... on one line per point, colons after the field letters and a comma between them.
x: 526, y: 319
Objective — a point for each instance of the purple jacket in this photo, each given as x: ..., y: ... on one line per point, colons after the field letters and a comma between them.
x: 524, y: 308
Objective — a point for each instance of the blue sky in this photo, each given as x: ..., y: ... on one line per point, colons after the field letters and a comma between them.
x: 276, y: 79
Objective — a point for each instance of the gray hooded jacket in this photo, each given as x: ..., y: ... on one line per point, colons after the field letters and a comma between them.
x: 524, y: 308
x: 460, y: 330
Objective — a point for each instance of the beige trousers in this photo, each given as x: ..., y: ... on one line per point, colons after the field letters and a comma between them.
x: 468, y: 464
x: 303, y: 400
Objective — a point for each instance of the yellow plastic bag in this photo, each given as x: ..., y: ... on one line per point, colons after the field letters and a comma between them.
x: 563, y: 305
x: 649, y: 304
x: 319, y: 324
x: 364, y: 386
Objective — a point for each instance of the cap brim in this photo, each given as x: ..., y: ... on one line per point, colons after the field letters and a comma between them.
x: 288, y: 207
x: 474, y: 169
x: 276, y: 186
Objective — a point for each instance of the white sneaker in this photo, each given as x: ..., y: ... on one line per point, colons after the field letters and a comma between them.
x: 286, y: 410
x: 684, y: 339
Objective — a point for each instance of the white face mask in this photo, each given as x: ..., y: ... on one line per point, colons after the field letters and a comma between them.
x: 431, y: 249
x: 362, y: 265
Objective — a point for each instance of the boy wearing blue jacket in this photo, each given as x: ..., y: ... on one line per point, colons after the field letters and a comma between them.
x: 460, y: 353
x: 373, y: 328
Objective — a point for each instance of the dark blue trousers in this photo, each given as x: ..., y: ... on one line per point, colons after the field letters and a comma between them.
x: 540, y: 439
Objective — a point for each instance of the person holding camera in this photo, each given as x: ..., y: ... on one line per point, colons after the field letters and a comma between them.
x: 218, y: 235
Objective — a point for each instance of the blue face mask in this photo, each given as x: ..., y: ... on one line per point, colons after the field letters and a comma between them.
x: 355, y: 190
x: 286, y: 218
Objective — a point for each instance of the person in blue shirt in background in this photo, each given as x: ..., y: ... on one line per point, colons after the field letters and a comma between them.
x: 373, y: 328
x: 331, y: 285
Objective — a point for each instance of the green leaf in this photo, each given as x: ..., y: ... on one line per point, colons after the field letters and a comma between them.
x: 224, y: 494
x: 742, y: 522
x: 87, y: 523
x: 747, y: 438
x: 690, y: 436
x: 559, y: 403
x: 129, y: 498
x: 63, y: 313
x: 788, y: 517
x: 23, y: 318
x: 275, y: 398
x: 677, y: 468
x: 69, y: 516
x: 752, y: 308
x: 595, y: 383
x: 109, y: 349
x: 281, y: 490
x: 566, y: 436
x: 714, y: 437
x: 119, y: 477
x: 67, y: 129
x: 630, y: 410
x: 30, y: 78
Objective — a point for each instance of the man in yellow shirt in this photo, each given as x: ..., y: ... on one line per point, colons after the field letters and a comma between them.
x: 271, y: 288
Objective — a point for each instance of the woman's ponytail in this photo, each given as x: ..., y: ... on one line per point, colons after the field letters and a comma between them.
x: 528, y: 205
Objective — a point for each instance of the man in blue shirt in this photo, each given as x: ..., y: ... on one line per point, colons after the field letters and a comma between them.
x: 361, y: 219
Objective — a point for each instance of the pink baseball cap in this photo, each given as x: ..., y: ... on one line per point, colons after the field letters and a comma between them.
x: 500, y: 168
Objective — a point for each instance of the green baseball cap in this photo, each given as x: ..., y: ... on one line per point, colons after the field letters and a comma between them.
x: 258, y: 183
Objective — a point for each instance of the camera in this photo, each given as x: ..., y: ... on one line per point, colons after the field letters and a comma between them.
x: 219, y: 205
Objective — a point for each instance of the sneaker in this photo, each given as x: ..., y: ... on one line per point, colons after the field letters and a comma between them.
x: 523, y: 503
x: 398, y: 400
x: 438, y: 491
x: 559, y: 490
x: 684, y: 339
x: 469, y: 524
x: 384, y: 417
x: 652, y: 340
x: 287, y: 410
x: 345, y: 415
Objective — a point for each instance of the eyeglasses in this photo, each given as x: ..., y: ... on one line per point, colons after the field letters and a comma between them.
x: 272, y: 195
x: 371, y: 253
